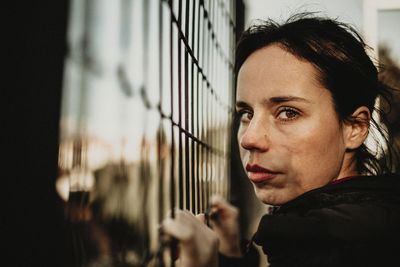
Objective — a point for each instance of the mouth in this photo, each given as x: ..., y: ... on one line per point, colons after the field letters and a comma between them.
x: 259, y: 175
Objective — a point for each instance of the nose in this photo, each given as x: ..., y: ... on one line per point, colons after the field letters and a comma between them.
x: 255, y: 137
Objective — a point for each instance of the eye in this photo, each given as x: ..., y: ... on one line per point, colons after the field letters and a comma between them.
x: 244, y: 115
x: 287, y: 114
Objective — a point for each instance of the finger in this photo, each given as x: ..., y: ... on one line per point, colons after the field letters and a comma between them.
x: 201, y: 217
x: 221, y: 206
x: 188, y: 220
x: 186, y: 217
x: 176, y: 229
x: 172, y: 212
x: 218, y: 201
x: 182, y: 215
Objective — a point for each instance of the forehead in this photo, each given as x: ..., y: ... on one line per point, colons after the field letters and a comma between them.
x: 272, y: 71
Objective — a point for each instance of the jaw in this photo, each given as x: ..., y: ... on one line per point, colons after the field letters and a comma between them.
x: 272, y: 196
x: 277, y: 195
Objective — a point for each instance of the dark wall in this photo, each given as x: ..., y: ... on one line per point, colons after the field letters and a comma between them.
x: 36, y: 44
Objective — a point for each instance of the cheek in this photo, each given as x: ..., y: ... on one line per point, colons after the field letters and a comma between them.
x: 293, y: 143
x: 302, y: 153
x: 314, y: 155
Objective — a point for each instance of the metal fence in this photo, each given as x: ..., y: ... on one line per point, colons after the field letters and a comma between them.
x: 146, y: 118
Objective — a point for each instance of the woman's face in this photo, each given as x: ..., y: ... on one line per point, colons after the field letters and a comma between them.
x: 290, y: 137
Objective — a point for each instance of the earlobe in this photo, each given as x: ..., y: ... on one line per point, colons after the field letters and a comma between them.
x: 357, y: 128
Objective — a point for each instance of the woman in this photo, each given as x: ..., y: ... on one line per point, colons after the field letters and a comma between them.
x: 306, y: 91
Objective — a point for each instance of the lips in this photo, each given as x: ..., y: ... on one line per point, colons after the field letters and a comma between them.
x: 258, y: 174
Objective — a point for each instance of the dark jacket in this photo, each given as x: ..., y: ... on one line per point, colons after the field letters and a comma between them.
x: 352, y: 222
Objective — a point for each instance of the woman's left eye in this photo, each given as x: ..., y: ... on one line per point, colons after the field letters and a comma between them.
x: 287, y: 114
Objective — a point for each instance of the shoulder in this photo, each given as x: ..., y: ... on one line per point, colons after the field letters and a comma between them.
x: 365, y: 207
x: 362, y: 207
x: 361, y: 190
x: 356, y: 216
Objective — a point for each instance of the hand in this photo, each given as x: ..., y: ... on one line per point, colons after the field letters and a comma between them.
x: 198, y: 244
x: 226, y: 226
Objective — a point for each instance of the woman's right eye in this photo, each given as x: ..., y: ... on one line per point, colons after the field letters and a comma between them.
x: 245, y: 115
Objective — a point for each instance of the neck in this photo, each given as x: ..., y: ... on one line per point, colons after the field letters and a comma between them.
x: 349, y: 167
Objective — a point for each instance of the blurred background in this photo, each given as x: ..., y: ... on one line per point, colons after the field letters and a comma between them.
x: 126, y: 112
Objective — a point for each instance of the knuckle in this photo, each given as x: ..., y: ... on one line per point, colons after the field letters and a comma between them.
x: 187, y: 236
x: 235, y: 211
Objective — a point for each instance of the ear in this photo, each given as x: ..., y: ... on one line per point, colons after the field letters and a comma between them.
x: 356, y: 130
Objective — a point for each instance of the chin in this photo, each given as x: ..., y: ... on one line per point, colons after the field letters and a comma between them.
x: 272, y: 197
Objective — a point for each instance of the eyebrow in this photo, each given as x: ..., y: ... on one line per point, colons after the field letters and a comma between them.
x: 242, y: 104
x: 275, y: 100
x: 282, y: 99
